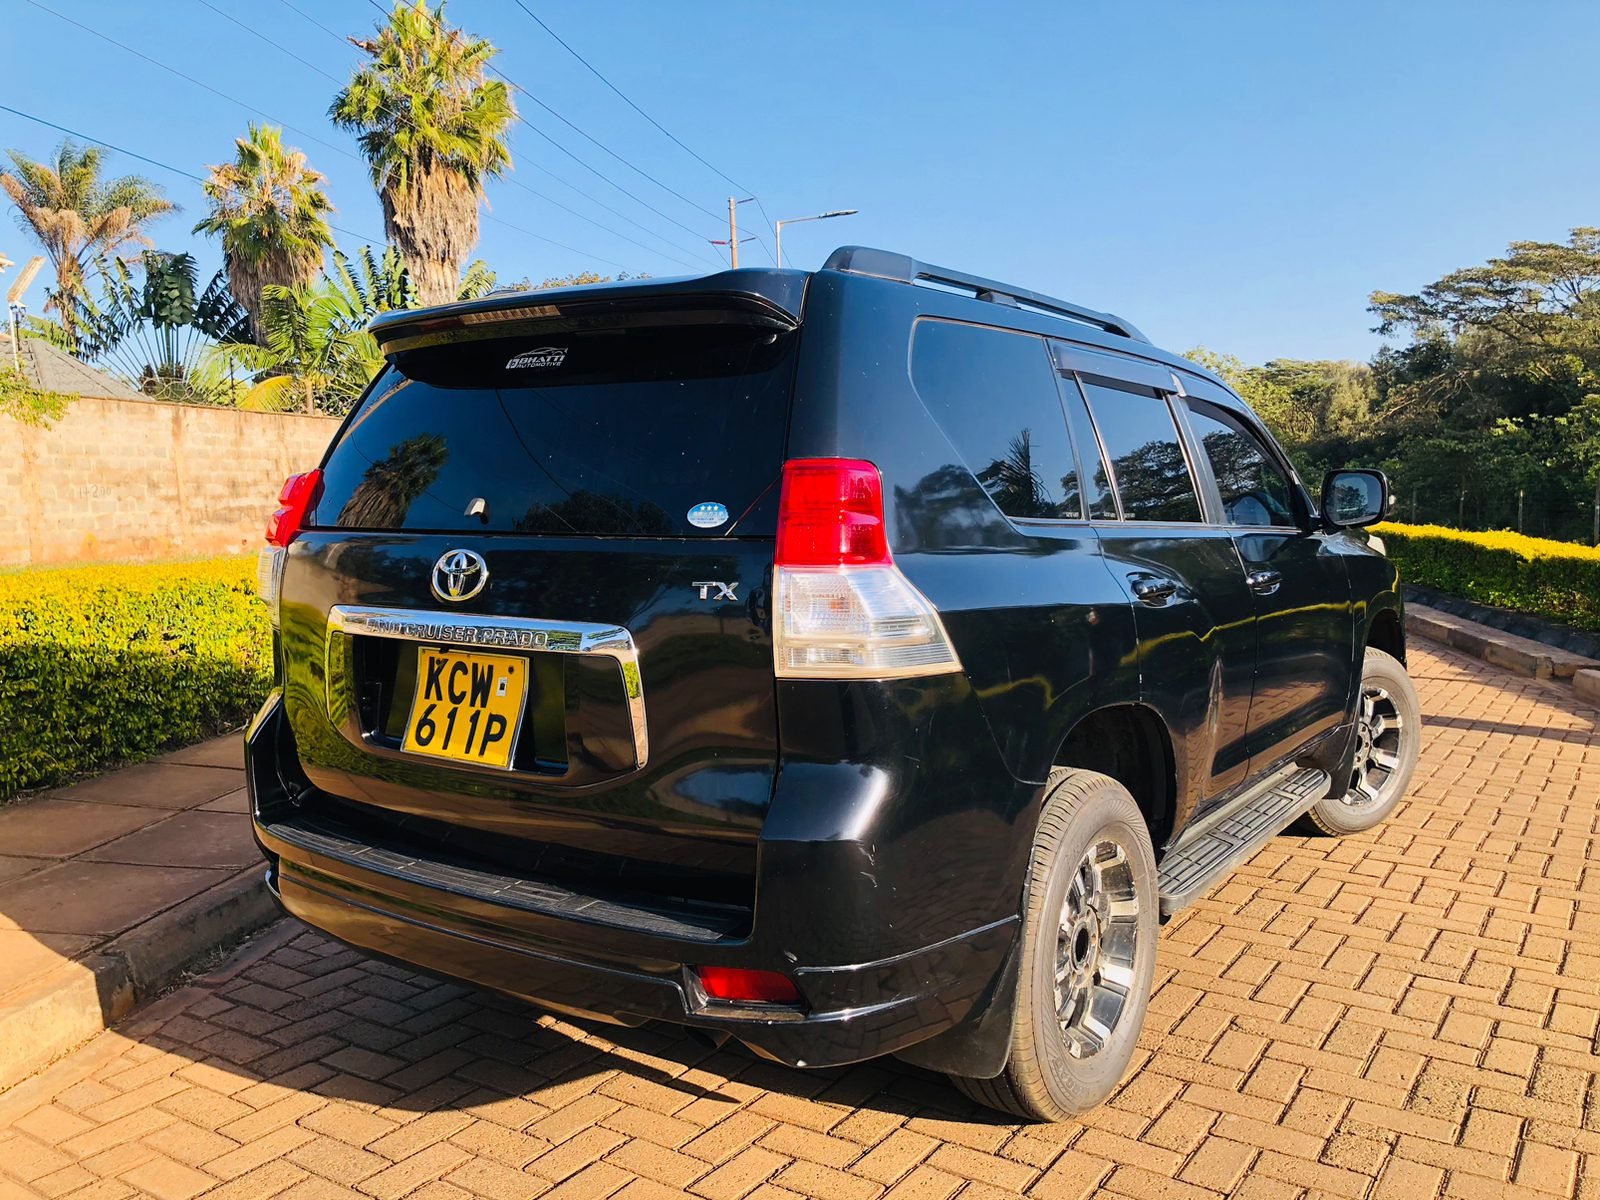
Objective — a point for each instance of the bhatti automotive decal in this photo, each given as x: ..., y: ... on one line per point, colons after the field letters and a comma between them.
x: 544, y: 356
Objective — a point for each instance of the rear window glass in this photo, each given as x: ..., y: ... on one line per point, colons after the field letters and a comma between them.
x: 994, y: 395
x: 621, y: 431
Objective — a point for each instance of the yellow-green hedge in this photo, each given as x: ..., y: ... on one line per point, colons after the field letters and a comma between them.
x: 106, y: 663
x: 1559, y: 581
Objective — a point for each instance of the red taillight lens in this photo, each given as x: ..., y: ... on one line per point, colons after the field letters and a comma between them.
x: 299, y: 493
x: 736, y: 983
x: 831, y: 514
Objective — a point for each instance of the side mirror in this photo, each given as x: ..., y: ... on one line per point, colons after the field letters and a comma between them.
x: 1354, y: 497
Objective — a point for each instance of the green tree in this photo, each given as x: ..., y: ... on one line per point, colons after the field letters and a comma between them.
x: 155, y: 325
x: 433, y: 127
x: 1504, y: 365
x: 270, y: 211
x: 314, y: 352
x: 78, y: 217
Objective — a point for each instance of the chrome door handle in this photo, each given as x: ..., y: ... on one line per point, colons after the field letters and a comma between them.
x: 1264, y: 583
x: 1152, y: 589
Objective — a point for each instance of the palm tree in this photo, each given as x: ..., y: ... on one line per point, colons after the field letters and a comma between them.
x: 79, y: 218
x: 270, y: 210
x: 433, y: 128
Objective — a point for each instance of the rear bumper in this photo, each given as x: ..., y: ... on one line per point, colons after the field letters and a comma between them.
x: 597, y: 959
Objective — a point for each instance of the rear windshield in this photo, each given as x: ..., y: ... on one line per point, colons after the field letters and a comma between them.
x: 652, y: 431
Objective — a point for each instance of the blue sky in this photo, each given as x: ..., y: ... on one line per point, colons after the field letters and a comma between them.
x: 1228, y: 174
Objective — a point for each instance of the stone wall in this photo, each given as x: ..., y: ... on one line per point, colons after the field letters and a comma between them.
x: 144, y: 479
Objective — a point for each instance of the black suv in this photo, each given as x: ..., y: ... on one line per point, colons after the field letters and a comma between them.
x: 854, y: 662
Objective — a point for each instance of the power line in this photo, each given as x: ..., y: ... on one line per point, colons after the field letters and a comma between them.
x: 154, y: 162
x: 672, y: 137
x: 257, y: 33
x: 360, y: 237
x: 336, y: 149
x: 590, y: 138
x: 190, y: 78
x: 595, y: 71
x: 518, y: 183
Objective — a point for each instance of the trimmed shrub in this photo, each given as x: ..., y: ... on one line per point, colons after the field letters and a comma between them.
x: 1559, y: 581
x: 107, y: 663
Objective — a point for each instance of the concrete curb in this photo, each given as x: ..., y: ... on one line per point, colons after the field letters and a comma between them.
x: 1586, y: 683
x: 77, y: 1001
x: 1519, y: 655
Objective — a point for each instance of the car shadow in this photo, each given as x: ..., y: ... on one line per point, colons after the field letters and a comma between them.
x: 296, y: 1011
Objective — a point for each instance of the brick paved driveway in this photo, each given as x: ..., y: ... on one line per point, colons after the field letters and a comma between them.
x: 1409, y: 1014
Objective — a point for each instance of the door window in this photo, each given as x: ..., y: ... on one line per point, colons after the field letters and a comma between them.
x: 1148, y: 467
x: 1254, y: 489
x: 1096, y: 476
x: 994, y: 394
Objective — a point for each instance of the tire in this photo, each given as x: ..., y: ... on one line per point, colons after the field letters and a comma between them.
x: 1091, y: 837
x: 1385, y: 759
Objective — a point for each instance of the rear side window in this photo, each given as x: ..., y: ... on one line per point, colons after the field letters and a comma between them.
x: 1254, y: 489
x: 994, y: 394
x: 615, y: 431
x: 1148, y: 468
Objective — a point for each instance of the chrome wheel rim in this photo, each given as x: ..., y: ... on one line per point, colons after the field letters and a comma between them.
x: 1380, y: 743
x: 1095, y: 948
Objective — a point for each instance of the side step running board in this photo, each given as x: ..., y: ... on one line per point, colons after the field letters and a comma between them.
x: 1189, y: 869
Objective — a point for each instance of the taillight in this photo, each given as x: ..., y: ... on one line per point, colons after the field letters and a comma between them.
x: 288, y: 519
x: 831, y: 514
x: 299, y: 493
x: 844, y: 610
x: 739, y: 983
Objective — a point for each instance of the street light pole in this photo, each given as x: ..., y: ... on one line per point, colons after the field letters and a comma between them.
x: 777, y: 228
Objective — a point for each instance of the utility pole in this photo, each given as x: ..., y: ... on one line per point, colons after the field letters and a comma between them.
x: 733, y: 231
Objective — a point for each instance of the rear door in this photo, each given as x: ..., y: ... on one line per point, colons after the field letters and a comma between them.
x: 1191, y: 608
x: 529, y: 623
x: 1305, y: 626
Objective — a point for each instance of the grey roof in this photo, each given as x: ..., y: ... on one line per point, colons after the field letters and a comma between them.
x: 57, y: 371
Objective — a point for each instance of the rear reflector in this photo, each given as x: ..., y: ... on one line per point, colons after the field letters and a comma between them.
x: 269, y: 577
x: 759, y: 987
x: 844, y: 610
x: 299, y: 493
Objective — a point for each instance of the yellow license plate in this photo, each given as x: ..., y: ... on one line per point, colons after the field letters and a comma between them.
x: 466, y: 707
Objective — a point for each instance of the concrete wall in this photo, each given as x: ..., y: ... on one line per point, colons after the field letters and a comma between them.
x: 144, y: 479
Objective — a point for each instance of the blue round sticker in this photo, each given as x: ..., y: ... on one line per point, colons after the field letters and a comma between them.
x: 708, y: 515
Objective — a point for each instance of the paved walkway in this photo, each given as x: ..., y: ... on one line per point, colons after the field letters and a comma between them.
x: 1410, y: 1014
x: 82, y: 864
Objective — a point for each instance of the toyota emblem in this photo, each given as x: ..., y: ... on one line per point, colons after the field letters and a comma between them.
x: 459, y: 575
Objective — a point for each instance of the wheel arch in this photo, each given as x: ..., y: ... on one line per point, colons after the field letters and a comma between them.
x: 1386, y: 632
x: 1131, y: 743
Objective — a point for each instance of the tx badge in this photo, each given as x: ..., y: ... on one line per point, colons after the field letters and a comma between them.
x: 724, y: 590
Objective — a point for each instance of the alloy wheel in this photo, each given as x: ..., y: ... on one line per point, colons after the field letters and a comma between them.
x: 1095, y: 947
x: 1380, y: 734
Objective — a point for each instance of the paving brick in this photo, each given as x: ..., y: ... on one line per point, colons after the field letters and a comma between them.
x: 168, y: 1179
x: 1403, y: 1015
x: 410, y: 1173
x: 740, y: 1174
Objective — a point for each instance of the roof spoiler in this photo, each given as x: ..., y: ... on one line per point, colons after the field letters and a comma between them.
x: 901, y: 268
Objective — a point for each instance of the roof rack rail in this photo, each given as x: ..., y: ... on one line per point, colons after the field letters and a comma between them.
x: 886, y: 264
